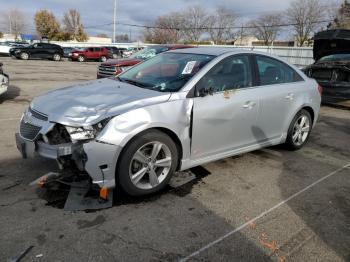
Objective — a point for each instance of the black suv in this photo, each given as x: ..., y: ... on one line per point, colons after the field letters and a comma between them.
x: 38, y: 50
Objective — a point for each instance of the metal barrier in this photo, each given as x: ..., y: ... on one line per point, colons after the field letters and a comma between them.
x: 299, y: 56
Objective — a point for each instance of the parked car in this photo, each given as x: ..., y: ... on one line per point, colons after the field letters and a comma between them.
x: 90, y: 53
x: 67, y: 52
x: 332, y: 66
x: 128, y: 52
x: 4, y: 49
x: 4, y: 80
x: 38, y: 50
x: 117, y: 66
x: 6, y: 46
x: 114, y: 52
x: 180, y: 109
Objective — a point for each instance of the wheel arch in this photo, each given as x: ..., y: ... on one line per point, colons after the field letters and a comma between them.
x: 311, y: 112
x: 164, y: 130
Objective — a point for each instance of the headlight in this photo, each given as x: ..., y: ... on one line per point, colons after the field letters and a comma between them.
x: 17, y: 51
x: 81, y: 133
x: 86, y: 132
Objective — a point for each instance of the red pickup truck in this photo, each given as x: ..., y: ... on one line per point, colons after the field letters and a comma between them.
x: 90, y: 53
x: 117, y: 66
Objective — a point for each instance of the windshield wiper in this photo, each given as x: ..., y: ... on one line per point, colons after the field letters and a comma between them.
x: 133, y: 82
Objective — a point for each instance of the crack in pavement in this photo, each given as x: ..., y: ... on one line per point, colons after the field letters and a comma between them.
x: 18, y: 201
x: 16, y: 183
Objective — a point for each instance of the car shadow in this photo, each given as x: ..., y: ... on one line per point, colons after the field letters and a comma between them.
x: 11, y: 93
x: 325, y: 209
x: 194, y: 228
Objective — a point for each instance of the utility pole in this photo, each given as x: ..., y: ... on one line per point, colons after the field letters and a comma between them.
x: 114, y: 19
x: 10, y: 24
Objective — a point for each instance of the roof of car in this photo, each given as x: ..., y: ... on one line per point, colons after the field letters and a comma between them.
x: 173, y: 46
x: 215, y: 51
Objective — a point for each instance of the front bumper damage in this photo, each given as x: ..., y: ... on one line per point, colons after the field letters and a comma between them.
x: 94, y: 162
x: 96, y: 158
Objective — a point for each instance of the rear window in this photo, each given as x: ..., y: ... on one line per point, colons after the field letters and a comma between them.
x: 336, y: 57
x: 272, y: 71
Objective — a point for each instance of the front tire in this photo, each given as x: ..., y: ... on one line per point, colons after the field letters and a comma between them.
x: 299, y: 130
x: 81, y: 58
x: 147, y: 163
x: 24, y: 56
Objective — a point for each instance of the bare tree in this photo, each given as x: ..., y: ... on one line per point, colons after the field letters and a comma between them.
x: 220, y: 25
x: 14, y: 20
x: 266, y: 27
x: 305, y: 16
x: 341, y: 16
x: 166, y: 29
x: 195, y: 23
x: 73, y: 26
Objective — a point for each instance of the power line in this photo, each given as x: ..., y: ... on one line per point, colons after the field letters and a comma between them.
x: 204, y: 27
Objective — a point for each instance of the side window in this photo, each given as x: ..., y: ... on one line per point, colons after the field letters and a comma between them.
x: 97, y: 49
x: 272, y: 71
x: 233, y: 72
x: 91, y: 49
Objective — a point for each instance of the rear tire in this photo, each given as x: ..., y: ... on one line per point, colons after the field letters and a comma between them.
x: 24, y: 56
x: 81, y: 58
x: 299, y: 130
x: 103, y: 58
x: 147, y: 163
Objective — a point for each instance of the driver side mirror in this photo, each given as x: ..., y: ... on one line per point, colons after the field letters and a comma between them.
x: 202, y: 92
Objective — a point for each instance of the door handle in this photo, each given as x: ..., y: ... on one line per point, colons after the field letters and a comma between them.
x: 290, y: 96
x: 249, y: 105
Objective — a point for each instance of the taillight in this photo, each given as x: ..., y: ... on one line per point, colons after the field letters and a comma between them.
x: 320, y: 89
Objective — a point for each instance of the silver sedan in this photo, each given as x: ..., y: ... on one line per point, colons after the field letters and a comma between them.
x: 178, y: 110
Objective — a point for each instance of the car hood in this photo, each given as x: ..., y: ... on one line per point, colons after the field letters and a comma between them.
x: 91, y: 102
x: 122, y: 62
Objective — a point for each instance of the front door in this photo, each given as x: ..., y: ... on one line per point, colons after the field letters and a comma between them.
x: 224, y: 120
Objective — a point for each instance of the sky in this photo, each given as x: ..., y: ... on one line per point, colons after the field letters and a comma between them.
x: 95, y: 14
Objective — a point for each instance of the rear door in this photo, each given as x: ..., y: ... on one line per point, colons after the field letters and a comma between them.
x: 48, y: 50
x: 279, y: 91
x: 97, y: 53
x: 37, y: 51
x: 89, y: 53
x: 224, y: 120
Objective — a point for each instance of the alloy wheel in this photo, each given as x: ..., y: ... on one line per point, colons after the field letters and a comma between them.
x: 56, y: 57
x: 24, y: 56
x: 301, y: 130
x: 150, y: 165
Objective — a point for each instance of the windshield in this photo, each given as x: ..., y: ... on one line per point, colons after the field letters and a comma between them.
x: 149, y: 52
x: 335, y: 57
x: 167, y: 72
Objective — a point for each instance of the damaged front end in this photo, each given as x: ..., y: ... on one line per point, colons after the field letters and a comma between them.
x: 70, y: 147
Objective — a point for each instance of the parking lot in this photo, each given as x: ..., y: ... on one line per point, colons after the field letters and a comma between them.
x: 268, y: 205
